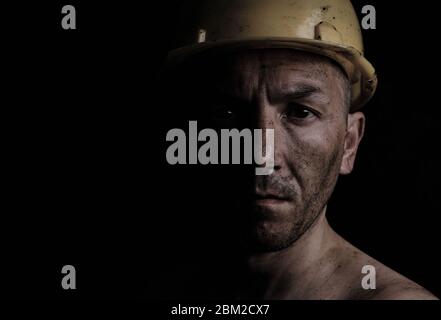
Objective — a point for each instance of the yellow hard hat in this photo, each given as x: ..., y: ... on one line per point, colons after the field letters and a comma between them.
x: 325, y: 27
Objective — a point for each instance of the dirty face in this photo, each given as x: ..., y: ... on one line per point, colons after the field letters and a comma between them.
x: 305, y: 99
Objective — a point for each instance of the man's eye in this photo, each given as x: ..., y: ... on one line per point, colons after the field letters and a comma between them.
x: 224, y: 113
x: 296, y: 111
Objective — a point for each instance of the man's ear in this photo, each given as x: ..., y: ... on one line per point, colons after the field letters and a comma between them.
x: 354, y: 134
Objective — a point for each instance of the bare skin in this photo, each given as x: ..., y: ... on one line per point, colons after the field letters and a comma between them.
x: 293, y: 253
x: 321, y: 265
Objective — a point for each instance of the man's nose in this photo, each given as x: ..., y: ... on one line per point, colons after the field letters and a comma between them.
x: 266, y: 117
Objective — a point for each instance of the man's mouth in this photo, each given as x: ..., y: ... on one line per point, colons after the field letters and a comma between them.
x: 267, y: 199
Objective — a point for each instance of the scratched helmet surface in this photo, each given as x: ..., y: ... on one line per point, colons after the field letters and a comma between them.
x: 325, y: 27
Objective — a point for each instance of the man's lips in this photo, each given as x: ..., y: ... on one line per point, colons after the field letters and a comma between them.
x: 267, y: 198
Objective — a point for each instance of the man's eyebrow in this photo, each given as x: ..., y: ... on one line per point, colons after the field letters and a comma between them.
x: 297, y: 92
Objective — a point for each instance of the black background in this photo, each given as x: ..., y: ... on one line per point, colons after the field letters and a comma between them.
x: 86, y: 183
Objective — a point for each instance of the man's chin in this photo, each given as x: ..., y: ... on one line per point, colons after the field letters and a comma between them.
x: 269, y: 236
x: 268, y: 225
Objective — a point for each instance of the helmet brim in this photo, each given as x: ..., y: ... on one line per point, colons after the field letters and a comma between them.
x: 360, y: 72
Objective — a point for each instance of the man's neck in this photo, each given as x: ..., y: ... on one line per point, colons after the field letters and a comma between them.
x: 295, y: 270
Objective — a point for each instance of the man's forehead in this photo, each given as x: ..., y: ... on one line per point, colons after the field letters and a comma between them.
x: 281, y: 69
x: 271, y: 58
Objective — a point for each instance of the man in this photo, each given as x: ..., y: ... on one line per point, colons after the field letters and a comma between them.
x: 296, y: 67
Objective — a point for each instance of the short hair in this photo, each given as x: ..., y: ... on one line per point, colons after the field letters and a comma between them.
x: 346, y: 86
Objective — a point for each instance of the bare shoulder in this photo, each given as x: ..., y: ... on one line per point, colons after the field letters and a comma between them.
x: 404, y: 290
x: 373, y: 280
x: 394, y: 286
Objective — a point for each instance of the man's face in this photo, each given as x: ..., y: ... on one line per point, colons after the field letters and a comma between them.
x: 304, y: 98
